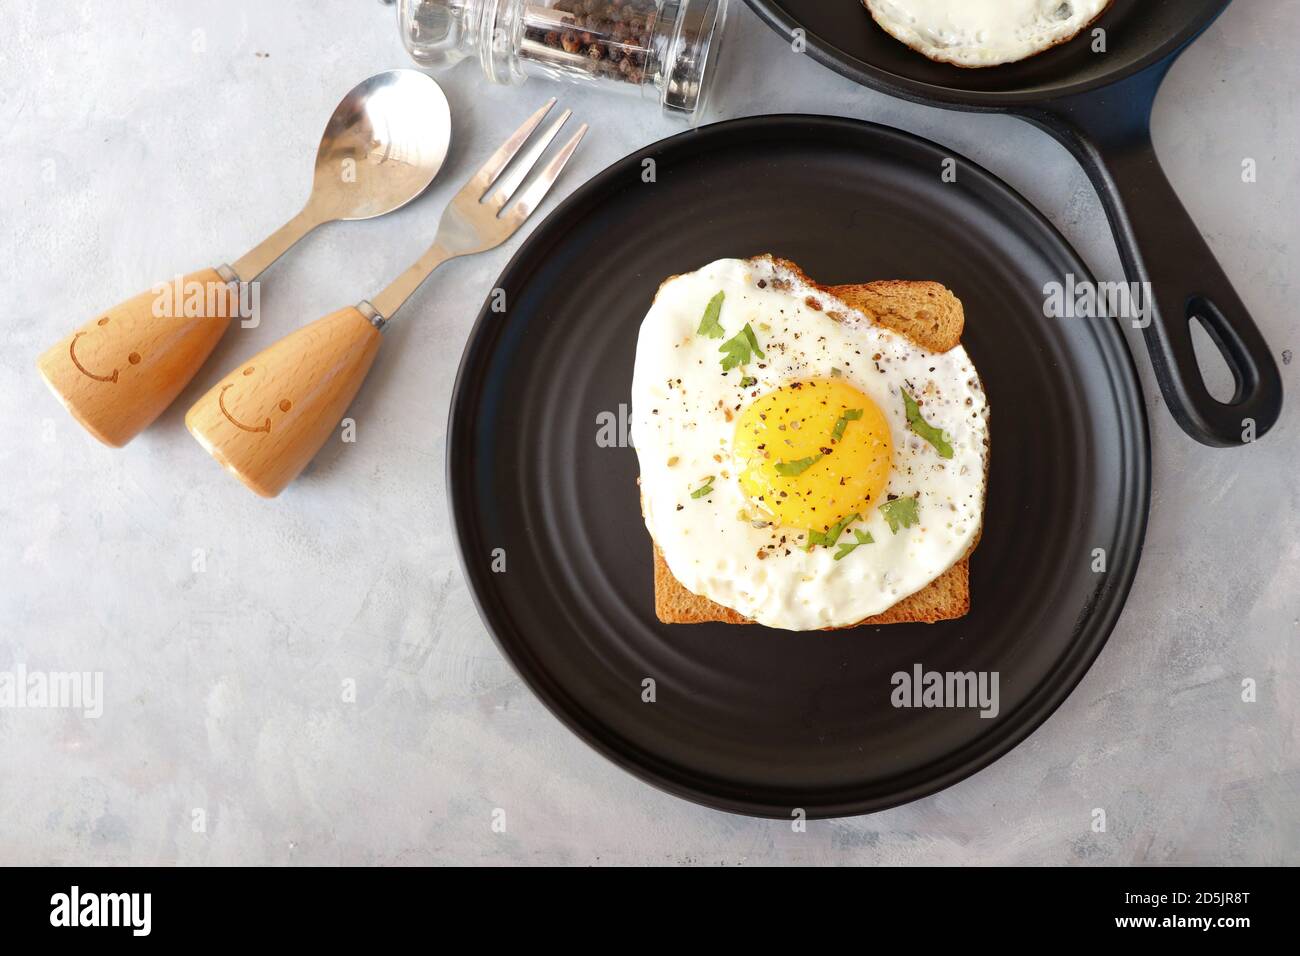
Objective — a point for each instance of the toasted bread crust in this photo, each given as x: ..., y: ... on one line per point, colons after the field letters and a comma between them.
x: 927, y: 314
x: 943, y: 599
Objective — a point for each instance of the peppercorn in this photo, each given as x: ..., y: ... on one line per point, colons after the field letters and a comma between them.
x: 612, y: 36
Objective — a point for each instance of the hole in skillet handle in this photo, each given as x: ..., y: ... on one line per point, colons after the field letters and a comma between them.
x: 1222, y: 380
x: 1220, y: 412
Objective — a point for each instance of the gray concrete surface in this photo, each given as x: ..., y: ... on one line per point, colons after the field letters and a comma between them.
x: 140, y: 139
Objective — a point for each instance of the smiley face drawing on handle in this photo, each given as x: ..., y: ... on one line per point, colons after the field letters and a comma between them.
x: 111, y: 377
x: 283, y: 405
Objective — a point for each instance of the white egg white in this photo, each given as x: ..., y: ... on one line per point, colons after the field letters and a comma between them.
x: 977, y: 33
x: 683, y: 411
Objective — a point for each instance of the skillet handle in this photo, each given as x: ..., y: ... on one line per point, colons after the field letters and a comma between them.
x: 1164, y: 252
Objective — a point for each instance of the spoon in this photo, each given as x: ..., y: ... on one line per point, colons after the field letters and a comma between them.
x: 382, y: 147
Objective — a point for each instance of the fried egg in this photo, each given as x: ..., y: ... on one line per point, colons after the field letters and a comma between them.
x: 800, y: 464
x: 978, y: 33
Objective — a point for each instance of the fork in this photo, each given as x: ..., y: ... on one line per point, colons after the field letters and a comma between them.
x: 267, y: 419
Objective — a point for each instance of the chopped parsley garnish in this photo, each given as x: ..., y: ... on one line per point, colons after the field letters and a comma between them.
x: 788, y: 469
x: 934, y: 436
x: 827, y: 538
x: 864, y: 537
x: 705, y: 489
x: 739, y: 349
x: 709, y: 325
x: 900, y: 513
x: 850, y: 415
x: 747, y: 381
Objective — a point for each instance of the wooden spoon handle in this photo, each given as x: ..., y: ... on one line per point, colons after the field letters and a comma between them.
x: 119, y: 371
x: 267, y: 419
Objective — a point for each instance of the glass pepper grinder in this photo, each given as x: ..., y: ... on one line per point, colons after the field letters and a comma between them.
x: 660, y: 49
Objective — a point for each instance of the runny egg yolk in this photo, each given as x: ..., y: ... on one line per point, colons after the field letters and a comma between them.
x: 811, y: 453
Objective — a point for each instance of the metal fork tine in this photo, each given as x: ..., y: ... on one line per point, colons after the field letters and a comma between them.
x: 532, y: 196
x: 469, y: 225
x: 499, y: 160
x: 511, y: 181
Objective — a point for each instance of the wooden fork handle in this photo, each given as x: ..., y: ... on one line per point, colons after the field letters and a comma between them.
x: 119, y: 371
x: 267, y: 419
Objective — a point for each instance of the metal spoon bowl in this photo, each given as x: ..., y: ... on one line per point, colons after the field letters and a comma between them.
x: 392, y: 132
x: 382, y: 147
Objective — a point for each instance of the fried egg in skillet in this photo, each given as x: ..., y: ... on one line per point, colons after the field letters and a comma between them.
x: 978, y: 33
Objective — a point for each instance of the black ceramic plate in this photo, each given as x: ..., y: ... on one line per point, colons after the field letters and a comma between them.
x: 749, y: 719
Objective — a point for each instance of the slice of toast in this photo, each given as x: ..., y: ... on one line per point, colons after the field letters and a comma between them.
x: 932, y: 317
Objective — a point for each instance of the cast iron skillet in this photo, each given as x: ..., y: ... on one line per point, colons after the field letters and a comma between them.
x: 546, y: 510
x: 1099, y: 106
